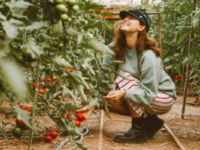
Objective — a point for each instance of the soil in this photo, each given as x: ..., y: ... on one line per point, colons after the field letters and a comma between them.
x: 187, y: 130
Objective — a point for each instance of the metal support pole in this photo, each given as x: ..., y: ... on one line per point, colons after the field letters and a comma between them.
x: 188, y: 67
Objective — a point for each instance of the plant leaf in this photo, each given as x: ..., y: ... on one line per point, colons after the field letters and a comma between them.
x: 70, y: 106
x: 23, y: 114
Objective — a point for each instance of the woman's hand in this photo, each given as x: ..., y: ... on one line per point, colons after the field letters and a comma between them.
x: 86, y: 113
x: 114, y: 97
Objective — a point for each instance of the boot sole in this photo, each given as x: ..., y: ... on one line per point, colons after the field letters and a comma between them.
x: 129, y: 141
x: 157, y: 128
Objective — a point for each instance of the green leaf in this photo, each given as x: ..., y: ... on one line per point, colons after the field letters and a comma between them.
x: 36, y: 25
x: 81, y: 145
x: 82, y: 94
x: 61, y: 61
x: 57, y: 120
x: 19, y: 4
x: 79, y: 39
x: 34, y: 49
x: 100, y: 47
x: 77, y: 76
x: 114, y: 62
x: 93, y: 103
x: 4, y: 46
x: 122, y: 74
x: 23, y: 114
x: 56, y: 30
x: 2, y: 16
x: 88, y: 68
x: 11, y: 28
x: 70, y: 106
x: 111, y: 77
x: 107, y: 110
x: 12, y: 72
x: 70, y: 31
x: 66, y: 92
x: 190, y: 59
x: 182, y: 38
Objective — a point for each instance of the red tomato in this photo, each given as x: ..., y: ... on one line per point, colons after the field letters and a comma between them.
x: 49, y: 79
x: 54, y: 135
x: 45, y: 86
x: 21, y: 124
x: 166, y: 71
x: 82, y: 103
x: 77, y: 123
x: 55, y: 130
x: 41, y: 91
x: 80, y: 117
x: 48, y: 138
x: 27, y: 108
x: 67, y: 115
x: 34, y: 85
x: 24, y: 107
x: 51, y: 129
x: 195, y: 101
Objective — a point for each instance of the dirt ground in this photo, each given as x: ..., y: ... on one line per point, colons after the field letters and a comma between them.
x: 187, y: 131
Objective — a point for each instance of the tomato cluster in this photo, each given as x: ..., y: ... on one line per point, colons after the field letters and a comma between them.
x: 51, y: 134
x: 177, y: 78
x: 63, y: 7
x: 17, y: 131
x: 25, y: 58
x: 80, y: 117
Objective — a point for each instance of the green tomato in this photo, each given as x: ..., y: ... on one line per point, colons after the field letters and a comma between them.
x: 17, y: 132
x: 26, y: 54
x: 19, y: 58
x: 44, y: 98
x: 55, y: 43
x: 27, y: 64
x: 64, y: 17
x: 75, y: 8
x: 58, y: 1
x: 69, y: 19
x: 72, y: 2
x: 67, y: 85
x: 60, y: 45
x: 61, y: 8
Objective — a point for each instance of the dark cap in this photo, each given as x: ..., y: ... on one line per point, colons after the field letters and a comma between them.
x: 138, y: 14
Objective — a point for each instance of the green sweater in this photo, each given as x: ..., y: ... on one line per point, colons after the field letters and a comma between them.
x: 150, y: 73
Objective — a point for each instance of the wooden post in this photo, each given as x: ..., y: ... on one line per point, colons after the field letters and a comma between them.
x: 101, y: 131
x: 174, y: 137
x: 188, y: 68
x: 160, y: 35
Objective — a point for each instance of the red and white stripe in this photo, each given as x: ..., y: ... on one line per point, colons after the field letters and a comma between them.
x: 160, y: 105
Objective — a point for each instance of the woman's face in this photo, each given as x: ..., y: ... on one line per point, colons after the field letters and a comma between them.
x: 131, y: 24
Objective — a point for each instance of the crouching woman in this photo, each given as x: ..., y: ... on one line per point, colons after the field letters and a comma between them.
x: 150, y: 91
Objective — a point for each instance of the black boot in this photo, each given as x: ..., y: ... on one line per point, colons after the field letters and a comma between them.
x: 135, y: 135
x: 152, y: 125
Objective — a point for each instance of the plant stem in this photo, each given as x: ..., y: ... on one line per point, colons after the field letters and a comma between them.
x: 34, y: 105
x: 70, y: 47
x: 62, y: 132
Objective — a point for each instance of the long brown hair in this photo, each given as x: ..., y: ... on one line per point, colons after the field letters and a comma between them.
x: 143, y: 43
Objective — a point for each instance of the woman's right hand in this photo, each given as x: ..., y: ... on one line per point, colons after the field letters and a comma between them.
x: 86, y: 113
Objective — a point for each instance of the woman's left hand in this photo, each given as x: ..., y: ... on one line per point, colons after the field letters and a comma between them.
x: 114, y: 97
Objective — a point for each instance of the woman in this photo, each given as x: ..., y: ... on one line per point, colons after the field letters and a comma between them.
x: 150, y: 92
